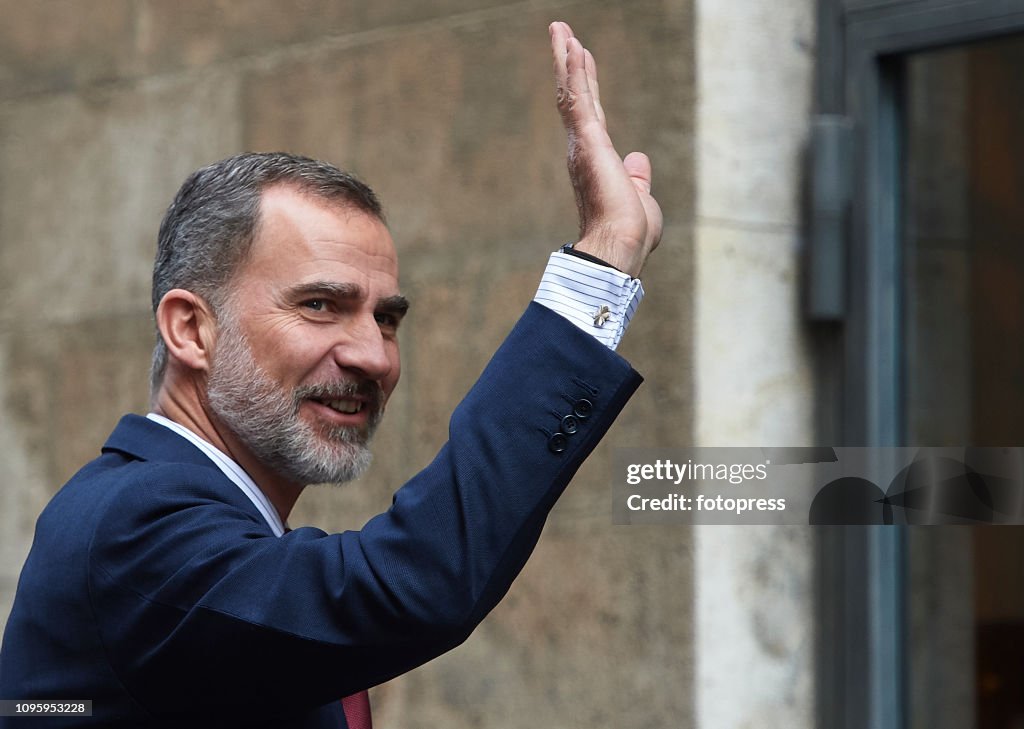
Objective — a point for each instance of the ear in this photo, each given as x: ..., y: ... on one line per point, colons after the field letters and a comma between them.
x: 188, y: 327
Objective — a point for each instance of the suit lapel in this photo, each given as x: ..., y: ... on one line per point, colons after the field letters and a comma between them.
x: 139, y: 438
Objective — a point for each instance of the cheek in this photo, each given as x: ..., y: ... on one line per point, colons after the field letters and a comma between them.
x: 291, y: 361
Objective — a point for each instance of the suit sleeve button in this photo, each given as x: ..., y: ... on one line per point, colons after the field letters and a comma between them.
x: 570, y: 424
x: 558, y: 442
x: 583, y: 408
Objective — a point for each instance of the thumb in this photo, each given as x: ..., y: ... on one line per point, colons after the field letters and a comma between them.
x: 638, y: 167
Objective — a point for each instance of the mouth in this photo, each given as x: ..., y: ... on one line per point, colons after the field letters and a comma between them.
x: 344, y: 406
x: 339, y: 412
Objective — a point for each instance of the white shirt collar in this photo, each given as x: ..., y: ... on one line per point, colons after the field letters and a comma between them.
x: 230, y: 469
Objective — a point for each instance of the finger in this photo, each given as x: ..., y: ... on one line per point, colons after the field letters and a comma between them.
x: 558, y: 41
x: 566, y: 28
x: 560, y: 34
x: 595, y: 89
x: 638, y: 167
x: 577, y: 104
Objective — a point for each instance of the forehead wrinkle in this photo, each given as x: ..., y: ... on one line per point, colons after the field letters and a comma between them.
x: 355, y: 253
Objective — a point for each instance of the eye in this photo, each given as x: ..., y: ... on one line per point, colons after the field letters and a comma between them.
x: 315, y: 304
x: 386, y: 320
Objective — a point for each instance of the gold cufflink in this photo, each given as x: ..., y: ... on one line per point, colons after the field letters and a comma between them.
x: 601, y: 316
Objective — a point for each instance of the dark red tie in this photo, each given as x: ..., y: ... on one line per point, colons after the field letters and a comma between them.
x: 357, y: 710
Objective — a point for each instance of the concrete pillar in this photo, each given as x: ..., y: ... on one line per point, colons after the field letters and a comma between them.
x: 754, y: 621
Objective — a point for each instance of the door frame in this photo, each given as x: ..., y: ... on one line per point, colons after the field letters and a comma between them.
x: 862, y: 48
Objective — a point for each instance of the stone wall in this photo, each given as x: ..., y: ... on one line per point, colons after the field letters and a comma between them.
x: 445, y: 107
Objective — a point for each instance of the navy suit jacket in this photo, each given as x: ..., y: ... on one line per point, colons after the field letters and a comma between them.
x: 155, y: 588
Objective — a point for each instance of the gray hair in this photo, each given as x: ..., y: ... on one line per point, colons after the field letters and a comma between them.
x: 207, y: 232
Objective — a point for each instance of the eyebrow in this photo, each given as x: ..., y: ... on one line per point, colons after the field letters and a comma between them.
x: 397, y: 304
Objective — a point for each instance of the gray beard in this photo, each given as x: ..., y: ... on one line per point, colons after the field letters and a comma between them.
x: 265, y: 418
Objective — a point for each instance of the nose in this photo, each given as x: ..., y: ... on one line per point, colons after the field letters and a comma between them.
x: 364, y: 350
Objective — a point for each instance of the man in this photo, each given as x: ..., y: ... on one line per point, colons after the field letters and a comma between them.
x: 163, y: 584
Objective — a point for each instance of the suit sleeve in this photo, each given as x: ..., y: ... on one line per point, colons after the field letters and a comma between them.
x: 189, y: 595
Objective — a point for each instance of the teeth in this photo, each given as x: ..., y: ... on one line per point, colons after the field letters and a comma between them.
x: 345, y: 406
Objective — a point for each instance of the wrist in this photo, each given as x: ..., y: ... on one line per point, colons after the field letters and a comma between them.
x: 612, y: 254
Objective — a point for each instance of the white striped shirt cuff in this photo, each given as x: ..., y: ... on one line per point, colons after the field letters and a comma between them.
x: 578, y: 289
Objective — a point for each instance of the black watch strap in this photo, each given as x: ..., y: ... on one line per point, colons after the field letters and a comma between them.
x: 569, y: 250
